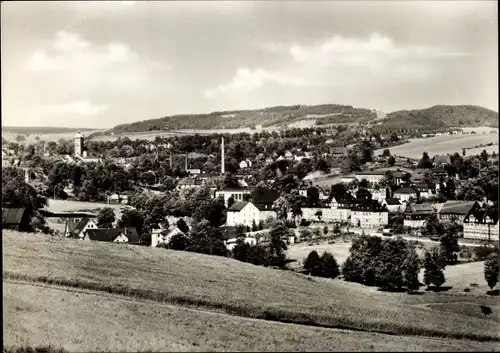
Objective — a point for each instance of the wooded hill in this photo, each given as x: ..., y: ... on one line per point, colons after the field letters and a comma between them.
x: 438, y: 117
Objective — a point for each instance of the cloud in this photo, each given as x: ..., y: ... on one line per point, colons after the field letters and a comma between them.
x: 83, y: 66
x: 80, y: 108
x: 247, y: 79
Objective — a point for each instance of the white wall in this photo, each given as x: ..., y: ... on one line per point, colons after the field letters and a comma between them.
x: 414, y: 223
x: 480, y: 231
x: 369, y: 219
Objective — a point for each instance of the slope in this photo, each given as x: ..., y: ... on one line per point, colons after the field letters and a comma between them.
x: 234, y: 287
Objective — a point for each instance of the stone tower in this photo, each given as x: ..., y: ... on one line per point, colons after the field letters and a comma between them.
x: 78, y: 144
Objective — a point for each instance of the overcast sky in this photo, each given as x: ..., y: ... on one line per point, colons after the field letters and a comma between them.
x: 99, y: 64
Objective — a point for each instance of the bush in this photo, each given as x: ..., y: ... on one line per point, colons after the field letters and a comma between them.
x: 491, y: 269
x: 329, y: 266
x: 483, y: 251
x: 178, y: 242
x: 304, y: 222
x: 465, y: 253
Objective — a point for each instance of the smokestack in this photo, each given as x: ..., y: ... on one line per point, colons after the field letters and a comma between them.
x: 222, y: 168
x: 170, y: 160
x: 186, y: 162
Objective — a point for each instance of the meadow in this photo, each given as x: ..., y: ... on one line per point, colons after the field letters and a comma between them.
x: 73, y: 206
x: 47, y: 137
x: 87, y: 321
x: 443, y: 144
x: 238, y: 288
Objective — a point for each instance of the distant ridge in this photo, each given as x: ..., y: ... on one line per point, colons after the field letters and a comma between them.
x: 41, y: 129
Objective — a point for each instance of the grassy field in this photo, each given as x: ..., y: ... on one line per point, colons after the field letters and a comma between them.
x: 73, y: 206
x: 93, y: 321
x: 440, y: 144
x: 236, y: 288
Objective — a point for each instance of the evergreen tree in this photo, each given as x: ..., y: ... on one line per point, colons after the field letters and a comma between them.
x: 491, y: 269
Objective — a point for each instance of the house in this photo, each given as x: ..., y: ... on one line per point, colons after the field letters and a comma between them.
x: 369, y: 214
x: 246, y: 213
x: 231, y: 243
x: 264, y: 199
x: 371, y: 176
x: 16, y: 219
x: 392, y: 204
x: 458, y: 210
x: 245, y: 164
x: 158, y: 238
x: 186, y: 183
x: 404, y: 194
x: 341, y: 201
x: 288, y: 155
x: 418, y: 175
x: 415, y: 214
x: 399, y: 176
x: 337, y: 151
x: 114, y: 235
x: 193, y: 171
x: 442, y: 160
x: 347, y: 179
x: 117, y: 199
x: 79, y: 229
x: 237, y: 194
x: 439, y: 172
x: 423, y: 190
x: 481, y: 224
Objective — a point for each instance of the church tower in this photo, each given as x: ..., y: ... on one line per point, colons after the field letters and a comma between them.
x: 78, y: 144
x: 222, y: 168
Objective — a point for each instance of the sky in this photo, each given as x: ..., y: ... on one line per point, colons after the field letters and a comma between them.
x: 99, y: 64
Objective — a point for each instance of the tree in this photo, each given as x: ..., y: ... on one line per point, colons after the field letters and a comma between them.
x: 433, y: 268
x: 312, y: 196
x: 391, y: 161
x: 491, y: 269
x: 389, y: 265
x: 230, y: 182
x: 132, y: 218
x: 361, y: 264
x: 230, y: 201
x: 329, y: 266
x: 206, y: 239
x: 183, y: 227
x: 363, y: 194
x: 282, y: 207
x: 425, y: 161
x: 433, y: 225
x: 312, y: 263
x: 322, y: 165
x: 386, y: 153
x: 325, y: 231
x: 277, y: 245
x: 411, y: 268
x: 449, y: 244
x: 215, y: 213
x: 106, y: 217
x: 178, y: 242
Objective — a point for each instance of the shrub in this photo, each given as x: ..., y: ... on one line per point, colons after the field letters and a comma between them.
x: 312, y: 263
x: 178, y: 242
x: 491, y: 269
x: 483, y: 251
x: 465, y: 253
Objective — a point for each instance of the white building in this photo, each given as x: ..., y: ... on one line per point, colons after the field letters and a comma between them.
x: 416, y: 215
x: 246, y: 213
x: 369, y: 214
x: 231, y: 243
x: 158, y: 238
x: 79, y: 230
x: 405, y: 194
x: 481, y: 225
x: 393, y: 205
x: 370, y: 176
x: 237, y: 194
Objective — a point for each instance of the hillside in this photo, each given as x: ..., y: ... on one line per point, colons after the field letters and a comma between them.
x: 279, y: 115
x: 41, y: 129
x: 238, y: 288
x: 441, y: 116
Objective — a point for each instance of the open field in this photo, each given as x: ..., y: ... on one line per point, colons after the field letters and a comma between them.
x: 73, y: 206
x: 475, y: 151
x: 440, y: 145
x: 80, y: 321
x: 479, y: 129
x: 11, y: 136
x: 237, y: 288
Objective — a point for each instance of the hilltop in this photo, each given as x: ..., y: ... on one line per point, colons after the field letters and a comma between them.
x: 442, y: 116
x: 41, y: 129
x: 439, y: 117
x: 272, y: 116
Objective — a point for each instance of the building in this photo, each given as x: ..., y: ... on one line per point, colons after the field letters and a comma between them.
x: 482, y: 225
x: 442, y: 160
x: 337, y: 151
x: 393, y: 205
x: 245, y: 164
x: 336, y: 201
x: 79, y: 229
x: 423, y: 190
x: 369, y: 214
x: 404, y: 194
x: 246, y: 213
x: 16, y: 219
x: 264, y: 199
x: 78, y: 144
x: 415, y: 215
x: 231, y: 243
x: 237, y: 194
x: 193, y: 171
x: 158, y: 238
x: 114, y: 235
x: 418, y: 175
x: 347, y: 179
x: 457, y: 210
x: 371, y: 176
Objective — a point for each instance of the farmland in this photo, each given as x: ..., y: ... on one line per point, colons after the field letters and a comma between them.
x: 74, y: 206
x: 51, y: 136
x: 442, y: 144
x: 236, y: 288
